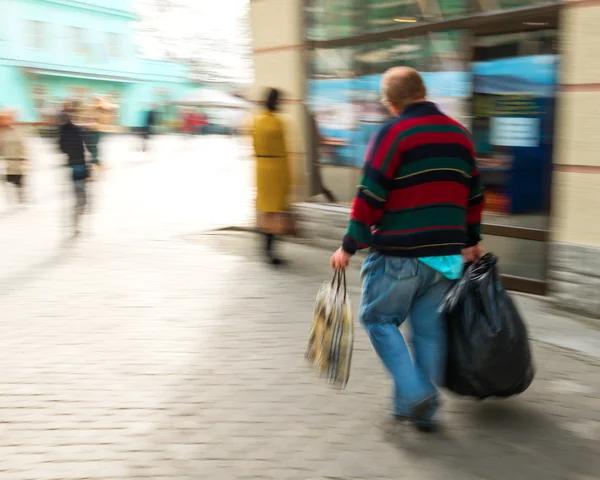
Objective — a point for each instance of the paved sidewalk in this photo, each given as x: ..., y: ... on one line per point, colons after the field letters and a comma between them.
x: 181, y: 357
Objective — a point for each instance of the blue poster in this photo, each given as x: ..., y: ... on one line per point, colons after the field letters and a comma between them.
x: 513, y: 128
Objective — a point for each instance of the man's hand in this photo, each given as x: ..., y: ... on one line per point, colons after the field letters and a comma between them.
x: 340, y: 259
x: 472, y: 254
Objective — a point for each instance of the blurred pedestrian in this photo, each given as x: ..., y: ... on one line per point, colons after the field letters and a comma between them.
x: 191, y: 122
x: 150, y: 121
x: 14, y: 151
x: 98, y: 119
x: 317, y: 186
x: 418, y: 208
x: 272, y: 173
x: 72, y: 143
x: 202, y: 122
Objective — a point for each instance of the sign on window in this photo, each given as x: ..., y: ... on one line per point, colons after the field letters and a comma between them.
x: 515, y: 131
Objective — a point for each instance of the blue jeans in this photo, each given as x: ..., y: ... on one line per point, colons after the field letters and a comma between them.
x: 395, y: 288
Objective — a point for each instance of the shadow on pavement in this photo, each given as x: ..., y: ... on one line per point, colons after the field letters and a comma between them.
x: 246, y: 405
x: 501, y: 440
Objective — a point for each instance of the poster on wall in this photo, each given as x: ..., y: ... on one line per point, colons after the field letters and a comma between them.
x: 515, y: 131
x: 331, y: 104
x: 513, y: 101
x: 349, y: 111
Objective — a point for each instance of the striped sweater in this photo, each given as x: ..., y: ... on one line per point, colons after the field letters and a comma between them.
x: 420, y: 193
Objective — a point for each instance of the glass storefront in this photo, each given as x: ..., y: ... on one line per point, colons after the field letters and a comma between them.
x: 333, y: 19
x: 343, y: 90
x: 501, y: 87
x: 514, y: 80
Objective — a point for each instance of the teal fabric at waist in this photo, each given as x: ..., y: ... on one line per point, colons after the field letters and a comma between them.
x: 451, y: 266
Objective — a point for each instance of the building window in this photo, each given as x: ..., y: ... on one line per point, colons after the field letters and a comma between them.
x: 79, y: 93
x: 35, y: 33
x: 114, y: 45
x: 40, y: 96
x: 77, y: 43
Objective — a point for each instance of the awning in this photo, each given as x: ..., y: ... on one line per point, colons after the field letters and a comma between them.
x: 87, y: 76
x: 210, y: 98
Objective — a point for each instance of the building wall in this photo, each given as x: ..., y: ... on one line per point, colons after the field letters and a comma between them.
x: 278, y: 54
x: 575, y: 259
x: 59, y: 48
x: 60, y: 64
x: 574, y: 254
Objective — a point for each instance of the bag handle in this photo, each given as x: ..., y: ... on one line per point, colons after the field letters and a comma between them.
x: 339, y: 279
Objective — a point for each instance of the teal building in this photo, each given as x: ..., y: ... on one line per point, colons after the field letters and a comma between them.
x: 56, y: 49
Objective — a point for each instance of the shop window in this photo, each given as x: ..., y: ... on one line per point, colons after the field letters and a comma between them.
x: 376, y: 58
x: 513, y: 108
x: 328, y: 19
x: 40, y: 96
x: 446, y: 73
x: 345, y: 93
x: 334, y: 96
x: 345, y: 87
x: 514, y: 45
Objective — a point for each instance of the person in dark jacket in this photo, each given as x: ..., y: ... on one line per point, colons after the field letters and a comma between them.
x: 72, y: 143
x: 149, y: 123
x: 317, y: 187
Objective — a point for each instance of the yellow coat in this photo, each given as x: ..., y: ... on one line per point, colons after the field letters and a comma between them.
x: 272, y: 163
x: 13, y: 149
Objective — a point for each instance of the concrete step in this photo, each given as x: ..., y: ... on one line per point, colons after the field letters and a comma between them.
x: 322, y: 226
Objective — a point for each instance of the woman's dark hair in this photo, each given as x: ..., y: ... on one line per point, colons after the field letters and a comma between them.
x: 272, y: 101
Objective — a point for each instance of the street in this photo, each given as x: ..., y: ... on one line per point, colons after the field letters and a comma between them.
x: 157, y: 347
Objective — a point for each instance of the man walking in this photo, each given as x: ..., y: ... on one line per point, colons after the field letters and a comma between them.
x: 72, y: 143
x: 148, y: 128
x: 418, y: 208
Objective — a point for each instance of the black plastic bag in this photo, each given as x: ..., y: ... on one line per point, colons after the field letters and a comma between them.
x: 488, y: 345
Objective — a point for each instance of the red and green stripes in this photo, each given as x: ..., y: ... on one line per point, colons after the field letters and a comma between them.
x: 420, y: 193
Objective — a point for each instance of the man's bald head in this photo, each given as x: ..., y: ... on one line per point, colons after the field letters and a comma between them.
x: 401, y: 86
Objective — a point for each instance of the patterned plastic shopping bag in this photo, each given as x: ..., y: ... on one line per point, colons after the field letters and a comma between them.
x: 331, y: 336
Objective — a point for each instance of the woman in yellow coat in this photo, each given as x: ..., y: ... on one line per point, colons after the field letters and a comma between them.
x: 272, y: 172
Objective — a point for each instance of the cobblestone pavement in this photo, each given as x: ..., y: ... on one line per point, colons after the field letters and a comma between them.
x: 144, y: 352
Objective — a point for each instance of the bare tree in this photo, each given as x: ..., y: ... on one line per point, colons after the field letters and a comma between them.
x: 214, y: 54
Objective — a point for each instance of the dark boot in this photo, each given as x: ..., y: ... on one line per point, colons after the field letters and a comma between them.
x: 269, y: 247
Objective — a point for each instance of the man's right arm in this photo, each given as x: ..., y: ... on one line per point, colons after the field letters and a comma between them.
x: 367, y: 208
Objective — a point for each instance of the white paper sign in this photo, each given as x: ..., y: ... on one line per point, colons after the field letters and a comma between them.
x: 515, y: 132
